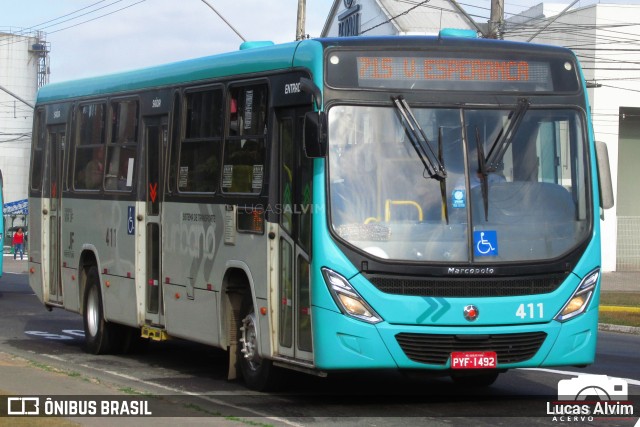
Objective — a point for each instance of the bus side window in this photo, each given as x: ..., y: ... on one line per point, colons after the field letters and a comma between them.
x: 38, y: 144
x: 89, y: 155
x: 121, y: 151
x: 243, y: 170
x: 200, y: 147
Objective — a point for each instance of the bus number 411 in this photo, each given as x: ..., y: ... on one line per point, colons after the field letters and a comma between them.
x: 529, y: 310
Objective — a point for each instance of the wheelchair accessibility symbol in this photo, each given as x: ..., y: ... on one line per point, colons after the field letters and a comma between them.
x: 485, y: 243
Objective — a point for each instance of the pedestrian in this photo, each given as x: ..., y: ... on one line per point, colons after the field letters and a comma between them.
x: 18, y: 243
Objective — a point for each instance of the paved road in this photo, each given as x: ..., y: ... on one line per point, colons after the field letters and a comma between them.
x: 48, y: 360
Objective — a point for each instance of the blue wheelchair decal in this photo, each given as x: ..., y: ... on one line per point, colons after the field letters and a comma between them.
x: 485, y: 243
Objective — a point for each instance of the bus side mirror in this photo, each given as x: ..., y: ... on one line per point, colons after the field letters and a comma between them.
x: 604, y: 176
x: 315, y: 134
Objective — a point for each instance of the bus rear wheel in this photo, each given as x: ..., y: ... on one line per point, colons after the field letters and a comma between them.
x: 98, y: 333
x: 258, y: 373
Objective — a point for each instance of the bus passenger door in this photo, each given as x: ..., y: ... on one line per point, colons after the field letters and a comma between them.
x: 155, y: 140
x: 56, y: 149
x: 295, y: 173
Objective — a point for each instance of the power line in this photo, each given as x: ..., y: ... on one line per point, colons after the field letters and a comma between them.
x: 98, y: 17
x: 23, y: 31
x: 393, y: 18
x: 38, y: 28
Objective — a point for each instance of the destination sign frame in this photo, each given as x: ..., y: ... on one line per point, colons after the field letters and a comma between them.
x: 451, y: 71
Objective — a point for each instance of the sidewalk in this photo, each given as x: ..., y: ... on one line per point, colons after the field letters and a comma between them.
x: 626, y: 281
x: 15, y: 266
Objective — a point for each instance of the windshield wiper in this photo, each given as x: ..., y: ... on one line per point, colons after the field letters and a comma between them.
x: 443, y: 182
x: 484, y: 174
x: 504, y: 138
x: 432, y: 163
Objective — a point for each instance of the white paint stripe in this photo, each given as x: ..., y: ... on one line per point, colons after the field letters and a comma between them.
x: 51, y: 356
x: 198, y: 395
x: 556, y: 371
x: 209, y: 399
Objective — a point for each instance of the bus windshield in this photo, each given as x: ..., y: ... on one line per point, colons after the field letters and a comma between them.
x: 516, y: 197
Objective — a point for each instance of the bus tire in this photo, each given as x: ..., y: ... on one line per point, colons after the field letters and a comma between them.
x: 98, y: 333
x: 258, y: 373
x: 479, y: 379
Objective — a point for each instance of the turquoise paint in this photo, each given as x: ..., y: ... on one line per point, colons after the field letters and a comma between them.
x: 355, y: 345
x: 254, y: 60
x: 427, y: 311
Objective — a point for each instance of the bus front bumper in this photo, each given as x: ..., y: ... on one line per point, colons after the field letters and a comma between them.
x: 345, y: 343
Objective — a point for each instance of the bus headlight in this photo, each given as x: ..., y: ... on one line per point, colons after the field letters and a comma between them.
x: 348, y: 299
x: 580, y: 299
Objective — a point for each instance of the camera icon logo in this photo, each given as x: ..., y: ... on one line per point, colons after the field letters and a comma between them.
x: 593, y: 388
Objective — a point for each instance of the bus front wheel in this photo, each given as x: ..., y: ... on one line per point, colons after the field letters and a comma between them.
x: 98, y: 332
x: 258, y: 373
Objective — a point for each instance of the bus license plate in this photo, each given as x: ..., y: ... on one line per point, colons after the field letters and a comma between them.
x: 473, y: 360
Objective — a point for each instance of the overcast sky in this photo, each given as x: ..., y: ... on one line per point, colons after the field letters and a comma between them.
x: 91, y: 37
x: 151, y: 32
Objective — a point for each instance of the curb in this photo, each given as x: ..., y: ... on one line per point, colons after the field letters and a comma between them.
x: 619, y: 328
x: 619, y: 309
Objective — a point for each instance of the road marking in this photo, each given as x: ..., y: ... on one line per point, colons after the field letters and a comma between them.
x: 188, y: 393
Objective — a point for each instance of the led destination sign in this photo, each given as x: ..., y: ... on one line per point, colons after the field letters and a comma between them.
x: 375, y: 70
x: 452, y: 71
x: 485, y: 70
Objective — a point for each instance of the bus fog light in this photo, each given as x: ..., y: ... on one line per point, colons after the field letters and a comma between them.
x: 348, y: 299
x: 579, y: 301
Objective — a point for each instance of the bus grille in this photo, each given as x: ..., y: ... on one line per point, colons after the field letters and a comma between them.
x: 467, y: 286
x: 435, y: 349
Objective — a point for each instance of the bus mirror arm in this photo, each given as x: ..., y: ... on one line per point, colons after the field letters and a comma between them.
x: 315, y: 134
x: 308, y: 86
x: 315, y: 122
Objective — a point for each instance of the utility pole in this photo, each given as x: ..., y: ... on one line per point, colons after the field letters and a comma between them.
x: 496, y: 21
x: 302, y: 6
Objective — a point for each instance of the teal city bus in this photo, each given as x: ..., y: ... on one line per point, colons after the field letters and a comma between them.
x: 411, y: 203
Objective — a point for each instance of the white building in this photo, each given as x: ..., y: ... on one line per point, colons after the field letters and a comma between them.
x: 606, y: 39
x: 374, y: 18
x: 21, y: 61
